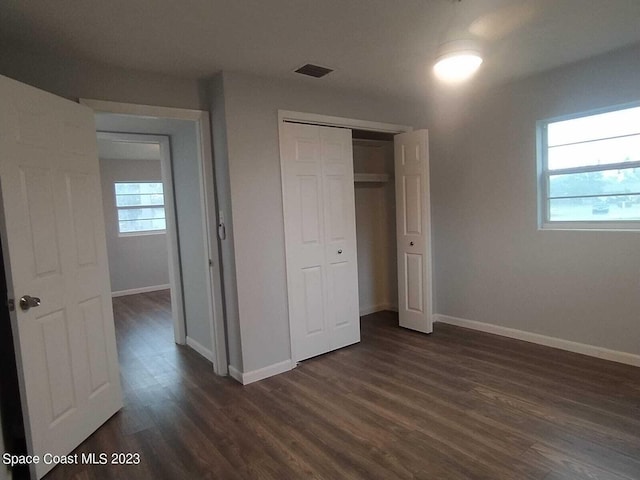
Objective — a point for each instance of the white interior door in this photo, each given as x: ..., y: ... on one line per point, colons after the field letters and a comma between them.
x: 413, y: 224
x: 54, y: 249
x: 320, y: 234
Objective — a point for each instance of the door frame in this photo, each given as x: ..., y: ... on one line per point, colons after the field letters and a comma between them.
x: 175, y: 280
x: 285, y: 116
x: 209, y: 208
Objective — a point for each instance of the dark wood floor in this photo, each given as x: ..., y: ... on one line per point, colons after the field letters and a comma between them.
x: 456, y: 404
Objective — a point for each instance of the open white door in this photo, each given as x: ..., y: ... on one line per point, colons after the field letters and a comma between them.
x: 413, y: 224
x: 320, y: 235
x: 55, y: 252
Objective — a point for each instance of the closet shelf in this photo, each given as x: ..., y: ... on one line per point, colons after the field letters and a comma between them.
x: 371, y: 177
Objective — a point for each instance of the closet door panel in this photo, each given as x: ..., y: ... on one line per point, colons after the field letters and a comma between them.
x: 340, y: 240
x: 319, y: 211
x: 413, y: 231
x: 303, y: 200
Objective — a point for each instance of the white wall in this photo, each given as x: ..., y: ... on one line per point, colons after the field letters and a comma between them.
x: 134, y: 261
x: 251, y: 104
x: 492, y: 264
x: 375, y: 229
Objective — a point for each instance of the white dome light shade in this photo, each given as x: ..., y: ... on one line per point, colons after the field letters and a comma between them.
x: 456, y: 67
x: 457, y: 60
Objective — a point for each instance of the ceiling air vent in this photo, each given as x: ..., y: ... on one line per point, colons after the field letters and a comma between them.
x: 313, y: 70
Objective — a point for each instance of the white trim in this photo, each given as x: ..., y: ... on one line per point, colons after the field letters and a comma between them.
x: 235, y: 373
x: 208, y: 199
x: 143, y: 233
x: 327, y: 121
x: 201, y: 349
x: 602, y: 226
x: 377, y: 308
x: 210, y: 232
x: 261, y: 373
x: 149, y: 111
x: 584, y: 349
x: 135, y: 291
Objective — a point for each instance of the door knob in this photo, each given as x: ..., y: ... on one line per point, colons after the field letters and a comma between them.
x: 411, y: 243
x: 340, y: 252
x: 28, y: 301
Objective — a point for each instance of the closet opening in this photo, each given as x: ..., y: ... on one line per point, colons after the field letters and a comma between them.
x: 357, y: 228
x: 375, y: 206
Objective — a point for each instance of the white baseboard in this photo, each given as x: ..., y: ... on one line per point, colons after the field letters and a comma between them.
x: 377, y: 308
x: 134, y: 291
x: 261, y: 373
x: 201, y: 349
x: 584, y: 349
x: 235, y: 373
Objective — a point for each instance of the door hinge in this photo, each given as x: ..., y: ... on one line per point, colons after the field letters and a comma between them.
x: 210, y: 263
x: 11, y: 304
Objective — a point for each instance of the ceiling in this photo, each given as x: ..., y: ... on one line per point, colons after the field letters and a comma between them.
x: 381, y: 46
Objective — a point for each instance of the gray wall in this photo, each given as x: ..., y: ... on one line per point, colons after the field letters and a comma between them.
x: 251, y: 106
x: 134, y: 261
x: 83, y: 79
x: 492, y: 264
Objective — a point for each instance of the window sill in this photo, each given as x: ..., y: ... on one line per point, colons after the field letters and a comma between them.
x: 592, y: 226
x: 142, y: 234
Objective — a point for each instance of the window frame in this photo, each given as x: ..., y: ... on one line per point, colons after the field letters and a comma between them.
x: 138, y: 233
x: 543, y: 173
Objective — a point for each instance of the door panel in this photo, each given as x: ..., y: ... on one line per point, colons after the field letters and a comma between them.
x: 413, y: 230
x: 82, y: 206
x: 57, y: 363
x: 413, y: 273
x: 310, y: 211
x: 313, y: 300
x: 319, y: 207
x: 336, y: 228
x: 54, y: 246
x: 412, y: 204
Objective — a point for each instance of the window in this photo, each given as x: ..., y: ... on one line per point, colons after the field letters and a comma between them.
x: 140, y: 208
x: 590, y: 171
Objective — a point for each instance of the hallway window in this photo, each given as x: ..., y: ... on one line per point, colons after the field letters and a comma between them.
x: 140, y: 208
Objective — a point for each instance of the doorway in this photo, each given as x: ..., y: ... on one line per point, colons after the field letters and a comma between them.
x: 375, y: 205
x: 183, y: 138
x: 140, y: 222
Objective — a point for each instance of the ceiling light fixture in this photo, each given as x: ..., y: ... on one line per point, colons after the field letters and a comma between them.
x: 457, y: 61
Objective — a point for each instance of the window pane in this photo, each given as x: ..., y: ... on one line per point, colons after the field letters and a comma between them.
x: 601, y: 152
x: 622, y: 207
x: 126, y: 200
x: 606, y: 182
x: 136, y: 187
x: 594, y: 127
x: 140, y: 213
x: 131, y: 226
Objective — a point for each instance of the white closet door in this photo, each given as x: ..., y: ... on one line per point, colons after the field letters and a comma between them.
x: 55, y: 251
x: 341, y: 256
x: 319, y: 210
x: 413, y: 225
